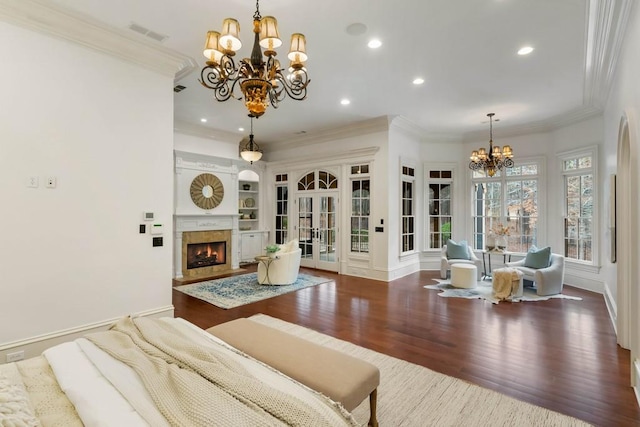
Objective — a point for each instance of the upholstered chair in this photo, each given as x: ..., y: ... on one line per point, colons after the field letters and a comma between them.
x: 284, y: 269
x: 447, y: 259
x: 547, y: 280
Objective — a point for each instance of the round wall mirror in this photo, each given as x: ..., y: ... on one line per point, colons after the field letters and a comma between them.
x: 206, y: 191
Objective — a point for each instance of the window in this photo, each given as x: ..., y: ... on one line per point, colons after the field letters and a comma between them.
x: 505, y: 208
x: 282, y: 209
x: 408, y: 215
x: 440, y: 185
x: 578, y: 170
x: 360, y: 208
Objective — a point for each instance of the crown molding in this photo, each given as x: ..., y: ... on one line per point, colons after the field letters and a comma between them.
x: 378, y: 124
x: 205, y: 132
x: 54, y: 20
x: 606, y: 25
x: 556, y: 122
x: 413, y: 130
x: 339, y: 156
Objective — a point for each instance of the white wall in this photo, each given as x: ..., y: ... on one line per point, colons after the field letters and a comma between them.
x: 403, y: 150
x: 72, y: 256
x: 624, y: 99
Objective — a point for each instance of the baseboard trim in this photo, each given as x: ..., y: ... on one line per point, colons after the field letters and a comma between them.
x: 612, y: 307
x: 34, y: 346
x: 636, y: 380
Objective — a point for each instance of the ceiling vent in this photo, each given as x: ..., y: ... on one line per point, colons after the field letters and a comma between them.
x: 147, y: 32
x: 179, y: 88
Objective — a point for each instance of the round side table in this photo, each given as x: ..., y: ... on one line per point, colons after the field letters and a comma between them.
x: 266, y: 260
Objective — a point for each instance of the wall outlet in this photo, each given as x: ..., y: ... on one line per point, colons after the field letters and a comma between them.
x: 51, y: 182
x: 15, y: 356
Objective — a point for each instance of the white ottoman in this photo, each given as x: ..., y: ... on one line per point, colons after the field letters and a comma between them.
x: 464, y: 275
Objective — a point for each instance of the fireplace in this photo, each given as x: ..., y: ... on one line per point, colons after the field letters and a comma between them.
x: 206, y: 253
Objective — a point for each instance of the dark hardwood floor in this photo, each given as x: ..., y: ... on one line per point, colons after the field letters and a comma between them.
x: 559, y: 354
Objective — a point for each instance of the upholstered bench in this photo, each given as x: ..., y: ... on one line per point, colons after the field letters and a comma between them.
x: 341, y: 377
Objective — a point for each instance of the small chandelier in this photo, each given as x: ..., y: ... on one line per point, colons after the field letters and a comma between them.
x: 495, y: 159
x: 261, y: 83
x: 251, y: 152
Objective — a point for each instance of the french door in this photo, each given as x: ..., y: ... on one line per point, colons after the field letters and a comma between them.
x: 318, y: 229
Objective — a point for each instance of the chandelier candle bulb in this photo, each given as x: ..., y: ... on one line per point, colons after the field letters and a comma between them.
x: 211, y: 48
x: 230, y: 39
x: 269, y: 35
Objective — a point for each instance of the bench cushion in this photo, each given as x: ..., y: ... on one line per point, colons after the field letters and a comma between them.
x: 341, y: 377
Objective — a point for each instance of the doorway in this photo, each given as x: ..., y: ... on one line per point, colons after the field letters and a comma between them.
x: 628, y: 294
x: 317, y: 220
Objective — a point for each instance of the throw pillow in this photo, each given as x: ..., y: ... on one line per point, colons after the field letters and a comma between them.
x: 538, y: 258
x: 292, y: 245
x: 458, y: 250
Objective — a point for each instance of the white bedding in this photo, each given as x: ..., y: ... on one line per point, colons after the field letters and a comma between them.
x: 107, y: 392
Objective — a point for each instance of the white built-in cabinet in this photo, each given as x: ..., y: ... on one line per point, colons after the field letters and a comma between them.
x: 252, y: 244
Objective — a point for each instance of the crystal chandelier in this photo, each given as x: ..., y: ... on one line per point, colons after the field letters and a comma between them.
x: 261, y: 83
x: 495, y: 159
x: 251, y: 152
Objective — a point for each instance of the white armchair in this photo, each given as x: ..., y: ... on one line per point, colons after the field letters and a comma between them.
x: 284, y: 269
x: 548, y: 280
x: 445, y: 263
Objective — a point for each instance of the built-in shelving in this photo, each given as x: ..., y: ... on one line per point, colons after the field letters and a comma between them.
x: 248, y: 197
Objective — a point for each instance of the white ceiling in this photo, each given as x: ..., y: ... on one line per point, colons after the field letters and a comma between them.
x: 464, y: 49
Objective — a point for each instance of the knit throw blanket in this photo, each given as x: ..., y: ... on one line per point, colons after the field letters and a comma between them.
x: 505, y: 282
x: 194, y: 385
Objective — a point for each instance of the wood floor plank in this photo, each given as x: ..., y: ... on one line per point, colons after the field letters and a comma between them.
x: 559, y: 354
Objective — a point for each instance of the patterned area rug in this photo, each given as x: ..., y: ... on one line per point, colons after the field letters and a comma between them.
x: 235, y: 291
x: 410, y: 395
x: 484, y: 290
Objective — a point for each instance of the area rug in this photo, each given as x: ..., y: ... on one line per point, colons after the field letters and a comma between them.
x: 484, y: 290
x: 234, y: 291
x: 411, y: 395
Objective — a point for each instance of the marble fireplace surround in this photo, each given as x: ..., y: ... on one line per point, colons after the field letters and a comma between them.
x: 210, y: 224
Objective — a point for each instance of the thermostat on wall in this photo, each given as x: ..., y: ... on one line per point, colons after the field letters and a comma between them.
x: 148, y: 216
x: 156, y: 229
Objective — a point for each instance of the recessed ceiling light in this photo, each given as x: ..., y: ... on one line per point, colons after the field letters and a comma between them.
x: 374, y: 44
x: 203, y: 120
x: 241, y: 129
x: 525, y: 50
x: 418, y: 81
x: 345, y: 102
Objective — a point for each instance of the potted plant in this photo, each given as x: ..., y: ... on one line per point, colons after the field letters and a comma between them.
x: 272, y: 249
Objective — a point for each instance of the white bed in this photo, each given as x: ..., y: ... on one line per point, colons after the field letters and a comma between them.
x: 87, y: 385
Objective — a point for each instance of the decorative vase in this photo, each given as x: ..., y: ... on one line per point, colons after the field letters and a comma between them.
x: 491, y: 243
x: 246, y: 187
x: 501, y: 243
x: 271, y: 254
